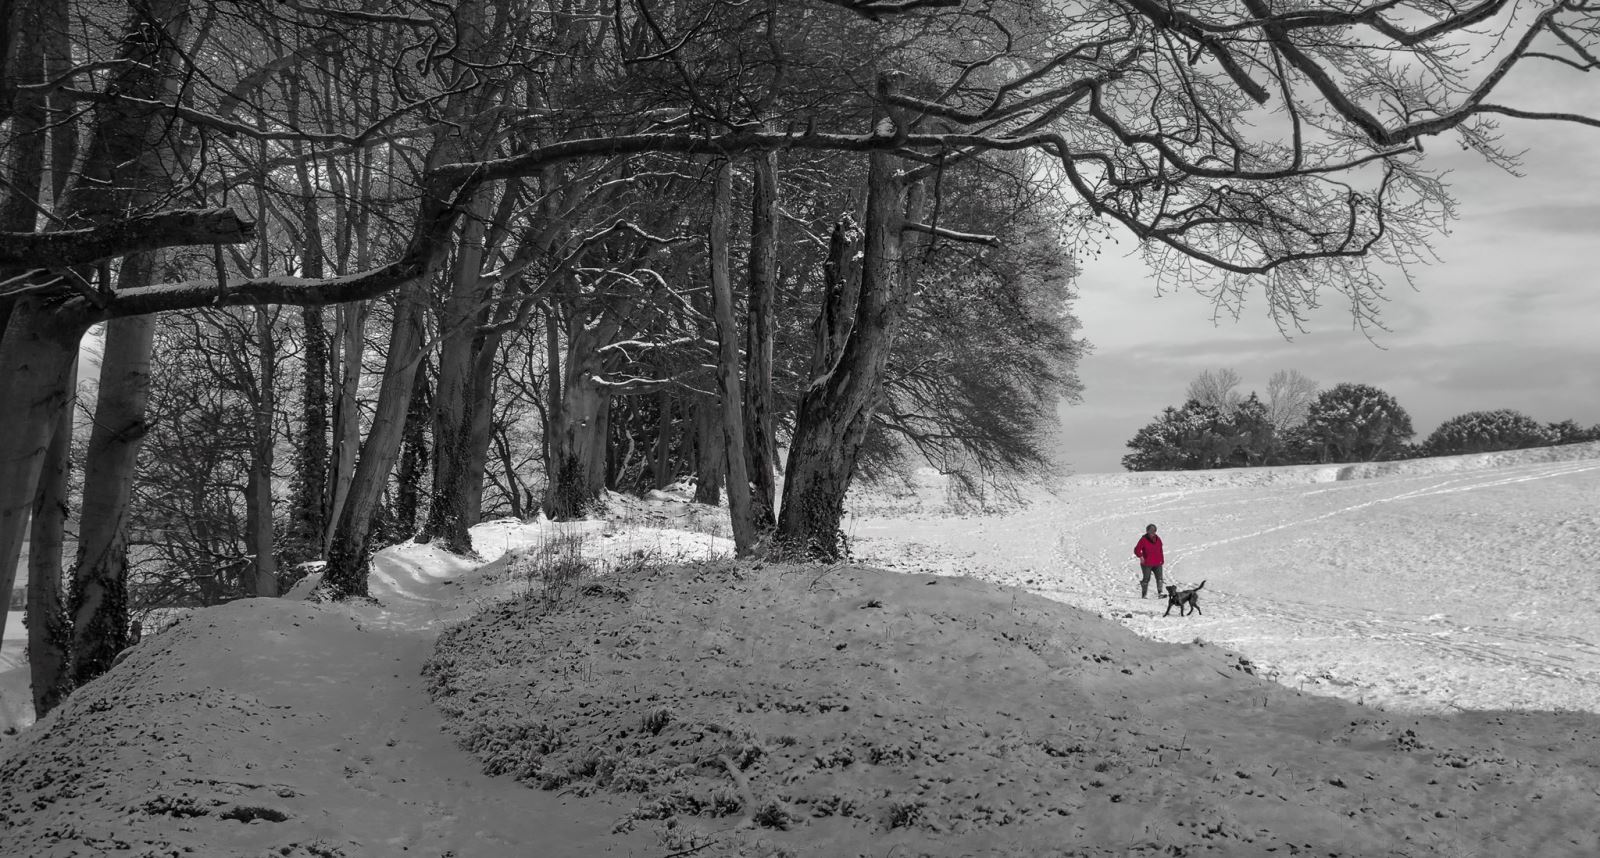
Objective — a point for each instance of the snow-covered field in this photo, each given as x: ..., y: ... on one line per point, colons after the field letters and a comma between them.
x: 1460, y: 582
x: 765, y: 710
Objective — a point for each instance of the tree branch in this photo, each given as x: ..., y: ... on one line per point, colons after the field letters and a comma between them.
x: 953, y: 235
x: 71, y: 247
x: 293, y: 291
x: 875, y: 10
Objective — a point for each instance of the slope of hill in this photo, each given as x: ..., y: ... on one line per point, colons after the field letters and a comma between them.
x: 1425, y: 585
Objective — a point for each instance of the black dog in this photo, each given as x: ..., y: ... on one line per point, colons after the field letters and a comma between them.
x: 1183, y: 600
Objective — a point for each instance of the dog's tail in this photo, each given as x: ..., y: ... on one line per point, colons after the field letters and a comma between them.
x: 1202, y: 584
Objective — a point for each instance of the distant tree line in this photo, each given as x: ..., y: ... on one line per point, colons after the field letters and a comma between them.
x: 1298, y: 424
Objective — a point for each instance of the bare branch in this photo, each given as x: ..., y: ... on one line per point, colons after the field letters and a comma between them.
x: 72, y: 247
x: 877, y: 10
x: 953, y: 235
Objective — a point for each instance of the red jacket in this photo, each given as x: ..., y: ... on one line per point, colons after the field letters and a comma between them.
x: 1148, y: 550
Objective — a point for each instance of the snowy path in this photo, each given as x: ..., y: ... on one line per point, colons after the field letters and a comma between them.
x: 1428, y: 589
x: 311, y: 720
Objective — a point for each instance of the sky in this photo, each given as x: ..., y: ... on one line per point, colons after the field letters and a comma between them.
x: 1505, y: 319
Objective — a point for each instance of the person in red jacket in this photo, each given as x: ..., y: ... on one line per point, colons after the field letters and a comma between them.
x: 1148, y: 550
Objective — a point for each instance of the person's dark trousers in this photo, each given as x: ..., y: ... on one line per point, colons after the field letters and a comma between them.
x: 1144, y: 581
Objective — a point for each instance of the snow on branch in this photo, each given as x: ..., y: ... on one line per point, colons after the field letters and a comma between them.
x: 629, y: 347
x: 293, y: 291
x: 953, y: 235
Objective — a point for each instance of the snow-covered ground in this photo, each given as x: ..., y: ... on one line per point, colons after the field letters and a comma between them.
x: 1431, y: 584
x: 289, y: 728
x: 737, y: 710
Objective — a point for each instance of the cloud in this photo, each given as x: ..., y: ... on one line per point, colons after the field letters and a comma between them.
x: 1454, y: 364
x: 1506, y: 319
x: 1555, y: 220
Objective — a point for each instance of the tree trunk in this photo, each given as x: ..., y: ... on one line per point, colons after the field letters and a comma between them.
x: 346, y: 572
x: 453, y: 398
x: 739, y: 501
x: 761, y: 446
x: 709, y: 451
x: 661, y: 466
x: 22, y: 169
x: 553, y: 393
x: 49, y: 625
x: 258, y: 536
x: 413, y: 459
x: 58, y: 62
x: 23, y: 166
x: 837, y: 408
x: 350, y: 321
x: 36, y: 359
x: 576, y: 468
x: 308, y: 506
x: 99, y: 600
x: 307, y: 515
x: 486, y: 353
x: 841, y: 292
x: 260, y: 539
x: 480, y: 431
x: 346, y: 414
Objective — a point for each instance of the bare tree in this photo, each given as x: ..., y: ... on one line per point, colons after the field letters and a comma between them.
x: 201, y: 528
x: 1217, y: 388
x: 1289, y: 396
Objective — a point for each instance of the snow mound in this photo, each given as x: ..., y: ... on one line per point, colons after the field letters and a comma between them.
x: 836, y: 711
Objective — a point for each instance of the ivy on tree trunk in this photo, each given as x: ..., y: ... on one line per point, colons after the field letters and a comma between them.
x: 99, y: 592
x: 49, y: 624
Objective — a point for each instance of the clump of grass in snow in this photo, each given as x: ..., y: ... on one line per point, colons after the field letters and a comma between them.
x: 637, y: 562
x: 905, y: 814
x: 552, y: 571
x: 773, y: 815
x: 554, y: 564
x: 657, y: 720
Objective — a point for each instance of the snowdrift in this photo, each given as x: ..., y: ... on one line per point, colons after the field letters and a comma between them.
x: 853, y: 712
